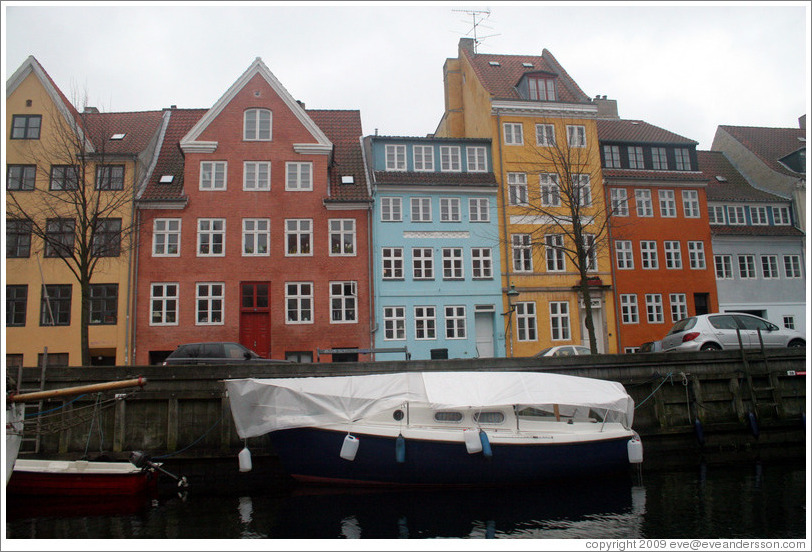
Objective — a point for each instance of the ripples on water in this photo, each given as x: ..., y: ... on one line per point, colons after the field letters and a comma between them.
x: 715, y: 502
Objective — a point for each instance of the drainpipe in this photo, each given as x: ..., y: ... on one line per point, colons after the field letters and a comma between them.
x: 607, y: 201
x: 134, y: 228
x: 508, y: 337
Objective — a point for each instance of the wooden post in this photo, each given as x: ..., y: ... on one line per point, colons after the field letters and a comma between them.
x: 172, y: 421
x: 119, y: 425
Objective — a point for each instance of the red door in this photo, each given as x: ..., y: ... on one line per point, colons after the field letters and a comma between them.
x: 255, y: 312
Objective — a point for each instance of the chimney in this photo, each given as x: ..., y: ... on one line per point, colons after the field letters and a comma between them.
x: 467, y: 44
x: 802, y: 121
x: 607, y: 109
x: 89, y: 109
x: 301, y: 103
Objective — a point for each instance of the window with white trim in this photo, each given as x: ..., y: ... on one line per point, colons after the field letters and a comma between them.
x: 450, y: 210
x: 455, y: 327
x: 395, y: 157
x: 581, y: 190
x: 636, y: 157
x: 213, y: 175
x: 648, y: 255
x: 256, y: 176
x: 696, y: 255
x: 624, y: 254
x: 576, y: 136
x: 422, y: 263
x: 342, y: 237
x: 792, y: 266
x: 298, y: 237
x: 163, y: 300
x: 541, y: 88
x: 481, y: 263
x: 747, y: 267
x: 211, y: 237
x: 789, y: 321
x: 479, y: 209
x: 394, y: 323
x: 209, y: 300
x: 560, y: 320
x: 513, y: 134
x: 391, y: 209
x: 425, y: 322
x: 642, y: 199
x: 673, y: 255
x: 257, y: 124
x: 781, y: 216
x: 421, y: 209
x: 758, y: 215
x: 423, y: 158
x: 522, y: 253
x: 343, y: 302
x: 659, y: 159
x: 392, y: 263
x: 166, y: 237
x: 450, y: 159
x: 679, y: 306
x: 256, y: 237
x: 724, y: 267
x: 654, y: 308
x: 668, y: 204
x: 550, y: 192
x: 611, y: 157
x: 769, y: 266
x: 545, y: 135
x: 554, y: 252
x: 591, y: 252
x: 526, y: 325
x: 628, y: 308
x: 299, y: 303
x: 477, y: 158
x: 452, y: 263
x: 735, y: 215
x: 690, y: 203
x: 298, y: 176
x: 620, y: 202
x: 517, y: 188
x: 683, y: 159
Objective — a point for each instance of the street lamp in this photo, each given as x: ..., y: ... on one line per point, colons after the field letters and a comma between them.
x: 511, y: 295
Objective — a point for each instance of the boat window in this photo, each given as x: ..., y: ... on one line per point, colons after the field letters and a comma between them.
x: 397, y: 415
x: 449, y: 416
x: 489, y: 417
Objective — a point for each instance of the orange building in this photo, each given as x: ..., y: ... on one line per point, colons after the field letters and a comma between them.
x: 660, y: 233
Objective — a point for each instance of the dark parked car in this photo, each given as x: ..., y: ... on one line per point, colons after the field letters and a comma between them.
x: 217, y: 352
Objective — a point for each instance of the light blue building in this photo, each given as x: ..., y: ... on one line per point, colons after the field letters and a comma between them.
x: 435, y: 248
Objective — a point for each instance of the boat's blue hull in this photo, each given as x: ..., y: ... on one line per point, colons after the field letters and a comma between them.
x: 312, y: 455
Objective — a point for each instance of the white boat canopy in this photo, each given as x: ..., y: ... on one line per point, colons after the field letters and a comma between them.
x: 260, y: 406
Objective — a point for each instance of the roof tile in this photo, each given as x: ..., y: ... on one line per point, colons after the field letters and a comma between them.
x: 735, y: 187
x: 769, y: 144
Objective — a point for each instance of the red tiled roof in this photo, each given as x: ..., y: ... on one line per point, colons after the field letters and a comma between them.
x: 170, y: 158
x: 769, y: 144
x: 735, y: 187
x: 399, y: 178
x: 138, y: 128
x: 501, y: 80
x: 751, y: 230
x: 343, y: 128
x: 632, y: 131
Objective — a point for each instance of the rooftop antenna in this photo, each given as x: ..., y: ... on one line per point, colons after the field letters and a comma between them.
x: 477, y: 17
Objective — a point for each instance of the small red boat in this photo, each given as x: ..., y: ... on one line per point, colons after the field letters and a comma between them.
x: 79, y: 478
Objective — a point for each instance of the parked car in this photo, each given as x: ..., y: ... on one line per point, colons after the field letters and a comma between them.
x: 720, y: 331
x: 217, y: 352
x: 651, y: 347
x: 563, y: 350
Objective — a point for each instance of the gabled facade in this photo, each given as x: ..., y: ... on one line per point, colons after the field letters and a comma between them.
x: 660, y: 238
x: 771, y: 159
x: 535, y: 114
x: 255, y: 228
x: 435, y: 248
x: 46, y: 137
x: 758, y: 253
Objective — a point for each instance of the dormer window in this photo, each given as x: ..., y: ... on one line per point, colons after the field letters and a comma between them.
x: 257, y: 124
x: 540, y: 88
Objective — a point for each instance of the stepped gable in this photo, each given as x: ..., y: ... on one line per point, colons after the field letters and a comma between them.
x: 770, y: 144
x: 343, y: 129
x: 170, y: 159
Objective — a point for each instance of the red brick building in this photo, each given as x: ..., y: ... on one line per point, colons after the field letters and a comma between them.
x: 254, y: 228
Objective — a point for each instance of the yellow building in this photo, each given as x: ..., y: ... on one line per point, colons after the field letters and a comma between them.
x: 52, y: 152
x: 544, y: 134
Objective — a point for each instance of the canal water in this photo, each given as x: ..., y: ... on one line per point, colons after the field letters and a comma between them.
x: 753, y: 501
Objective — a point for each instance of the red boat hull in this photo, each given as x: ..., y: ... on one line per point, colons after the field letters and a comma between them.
x: 86, y: 484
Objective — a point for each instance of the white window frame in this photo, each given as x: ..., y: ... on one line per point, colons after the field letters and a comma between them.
x: 425, y: 323
x: 545, y: 135
x: 636, y: 159
x: 611, y: 157
x: 420, y: 209
x: 254, y: 134
x: 167, y: 304
x: 392, y: 263
x: 673, y: 255
x: 554, y: 256
x: 620, y: 202
x: 643, y: 203
x: 206, y: 234
x: 450, y: 159
x: 394, y: 323
x: 748, y: 263
x: 683, y: 159
x: 781, y: 216
x: 302, y: 232
x: 391, y: 209
x: 513, y: 134
x: 423, y: 263
x: 654, y: 308
x: 648, y: 255
x: 453, y: 263
x: 576, y: 136
x: 659, y: 159
x: 591, y: 252
x: 560, y: 321
x: 716, y: 214
x: 736, y: 215
x: 481, y: 263
x: 769, y: 267
x: 455, y: 322
x: 476, y: 158
x: 758, y: 215
x: 668, y: 203
x: 423, y: 158
x: 792, y: 266
x: 724, y: 266
x: 296, y: 180
x: 517, y: 188
x: 253, y: 180
x: 624, y: 254
x: 395, y: 157
x: 526, y: 322
x: 690, y: 203
x: 629, y: 313
x: 696, y: 255
x: 522, y: 252
x: 208, y: 294
x: 253, y: 232
x: 582, y: 189
x: 342, y: 229
x: 344, y: 302
x: 299, y: 295
x: 164, y: 237
x: 679, y: 306
x: 450, y: 209
x: 209, y: 176
x: 550, y: 190
x: 479, y: 209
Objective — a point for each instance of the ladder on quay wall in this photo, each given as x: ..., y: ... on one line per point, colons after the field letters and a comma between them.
x: 30, y: 442
x: 761, y: 398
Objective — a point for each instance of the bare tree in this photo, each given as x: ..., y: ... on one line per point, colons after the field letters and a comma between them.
x: 562, y: 202
x: 83, y: 213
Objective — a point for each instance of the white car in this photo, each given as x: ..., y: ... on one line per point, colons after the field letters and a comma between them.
x: 563, y: 350
x: 722, y: 331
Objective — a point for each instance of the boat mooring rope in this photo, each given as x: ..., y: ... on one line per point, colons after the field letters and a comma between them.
x: 665, y: 378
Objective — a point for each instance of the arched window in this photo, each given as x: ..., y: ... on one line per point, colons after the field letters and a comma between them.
x: 257, y: 124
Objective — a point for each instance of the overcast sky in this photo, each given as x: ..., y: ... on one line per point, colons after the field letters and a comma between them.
x: 685, y: 67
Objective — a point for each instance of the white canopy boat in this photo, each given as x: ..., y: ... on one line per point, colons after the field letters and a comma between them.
x: 439, y: 428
